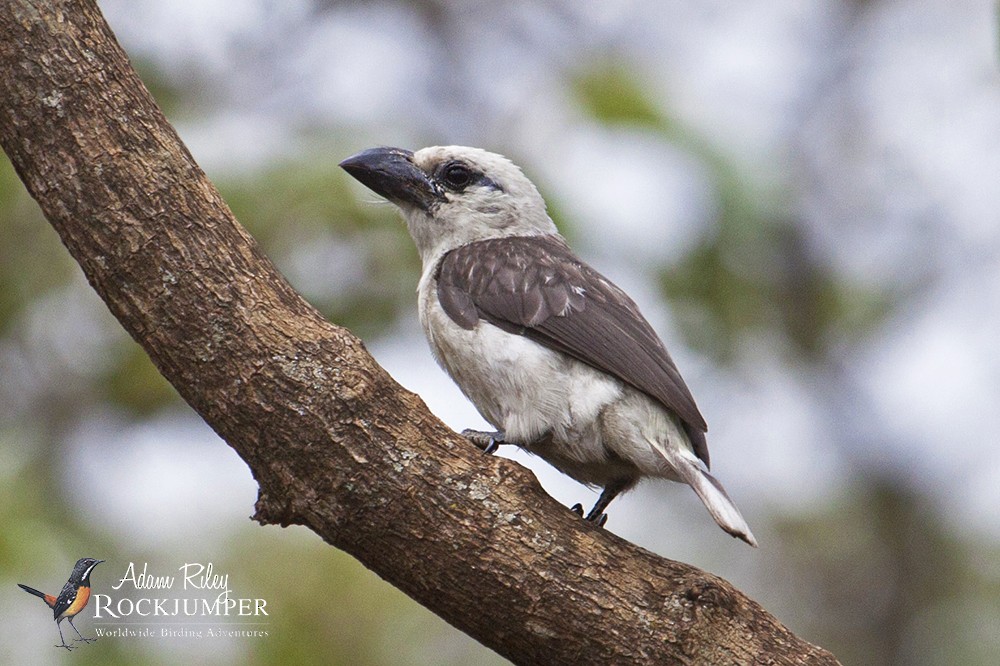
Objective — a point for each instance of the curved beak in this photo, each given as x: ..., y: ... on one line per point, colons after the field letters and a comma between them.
x: 391, y: 173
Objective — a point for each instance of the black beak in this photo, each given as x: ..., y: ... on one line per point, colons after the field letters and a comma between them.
x: 391, y: 173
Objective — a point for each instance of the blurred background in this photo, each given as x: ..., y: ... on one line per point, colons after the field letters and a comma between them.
x: 803, y: 198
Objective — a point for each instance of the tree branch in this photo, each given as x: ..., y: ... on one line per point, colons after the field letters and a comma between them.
x: 334, y: 443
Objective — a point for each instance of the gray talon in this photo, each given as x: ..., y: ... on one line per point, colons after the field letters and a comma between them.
x: 489, y: 442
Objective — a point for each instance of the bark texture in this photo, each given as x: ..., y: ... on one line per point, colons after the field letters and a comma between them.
x: 334, y: 443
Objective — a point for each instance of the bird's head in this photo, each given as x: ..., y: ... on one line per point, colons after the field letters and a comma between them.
x: 84, y: 566
x: 453, y: 195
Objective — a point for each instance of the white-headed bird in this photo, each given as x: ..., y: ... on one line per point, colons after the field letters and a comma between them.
x: 553, y: 355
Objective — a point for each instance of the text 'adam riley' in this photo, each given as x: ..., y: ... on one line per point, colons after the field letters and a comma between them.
x: 194, y: 576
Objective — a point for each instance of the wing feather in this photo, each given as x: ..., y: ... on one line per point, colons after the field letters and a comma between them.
x: 535, y: 286
x: 65, y: 599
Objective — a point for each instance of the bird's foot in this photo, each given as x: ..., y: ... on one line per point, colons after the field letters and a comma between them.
x: 63, y: 645
x: 489, y: 442
x: 85, y: 639
x: 598, y: 518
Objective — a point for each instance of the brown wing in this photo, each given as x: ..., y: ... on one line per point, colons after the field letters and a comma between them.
x: 535, y: 286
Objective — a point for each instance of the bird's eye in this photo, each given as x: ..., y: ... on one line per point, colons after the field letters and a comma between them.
x: 457, y: 176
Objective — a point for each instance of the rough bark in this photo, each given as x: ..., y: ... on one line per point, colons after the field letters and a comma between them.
x: 334, y: 443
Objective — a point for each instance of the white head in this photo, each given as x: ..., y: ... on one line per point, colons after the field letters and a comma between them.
x: 453, y: 195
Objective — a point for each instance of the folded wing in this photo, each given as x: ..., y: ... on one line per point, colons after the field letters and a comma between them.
x: 535, y: 286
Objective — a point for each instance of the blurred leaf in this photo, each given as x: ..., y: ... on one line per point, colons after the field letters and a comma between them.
x: 32, y: 260
x: 759, y: 278
x: 755, y: 275
x: 612, y: 94
x: 362, y: 619
x: 172, y: 99
x: 868, y: 568
x: 135, y: 384
x: 369, y: 271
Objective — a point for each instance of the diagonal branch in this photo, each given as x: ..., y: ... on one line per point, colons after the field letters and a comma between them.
x: 334, y: 443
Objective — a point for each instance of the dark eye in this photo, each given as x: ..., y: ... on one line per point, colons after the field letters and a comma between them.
x: 457, y: 176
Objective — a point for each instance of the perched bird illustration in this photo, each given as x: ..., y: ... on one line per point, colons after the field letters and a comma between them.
x: 552, y: 354
x: 73, y: 598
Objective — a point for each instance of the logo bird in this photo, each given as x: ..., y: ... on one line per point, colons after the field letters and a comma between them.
x: 71, y: 600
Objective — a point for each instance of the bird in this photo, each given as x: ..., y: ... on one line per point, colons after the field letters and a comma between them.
x: 553, y: 355
x: 71, y: 600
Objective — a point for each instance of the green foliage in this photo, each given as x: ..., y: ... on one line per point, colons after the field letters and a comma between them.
x: 902, y: 585
x: 754, y: 273
x: 758, y: 278
x: 169, y: 95
x: 32, y: 261
x: 329, y: 609
x: 133, y: 383
x: 293, y: 207
x: 612, y: 94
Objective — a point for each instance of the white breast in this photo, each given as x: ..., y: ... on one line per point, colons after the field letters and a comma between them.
x: 519, y: 386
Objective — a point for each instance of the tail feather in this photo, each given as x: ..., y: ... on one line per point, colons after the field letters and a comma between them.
x: 709, y: 490
x: 31, y: 590
x: 717, y: 501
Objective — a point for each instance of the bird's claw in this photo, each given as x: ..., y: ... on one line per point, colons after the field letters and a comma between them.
x: 597, y: 519
x: 489, y: 442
